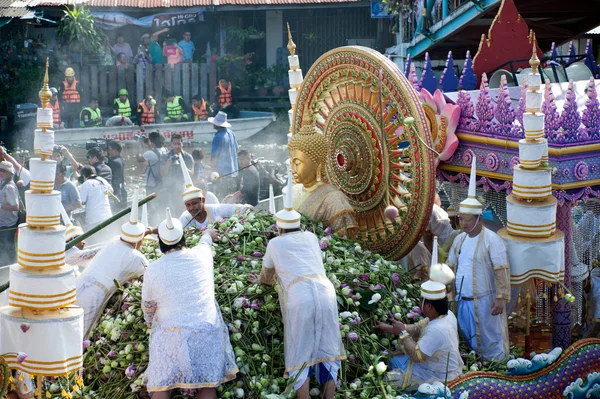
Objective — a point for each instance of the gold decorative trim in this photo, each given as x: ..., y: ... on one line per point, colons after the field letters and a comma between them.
x: 533, y: 110
x: 32, y: 254
x: 43, y: 217
x: 542, y: 271
x: 531, y: 226
x: 132, y: 235
x: 41, y: 296
x: 517, y: 234
x: 288, y: 221
x: 466, y: 137
x: 470, y: 206
x: 548, y: 186
x: 72, y: 297
x: 42, y: 305
x: 433, y: 292
x: 37, y: 362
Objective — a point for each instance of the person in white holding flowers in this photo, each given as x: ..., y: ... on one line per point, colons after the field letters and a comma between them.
x: 430, y: 347
x: 119, y: 260
x: 482, y: 280
x: 313, y: 343
x: 189, y: 341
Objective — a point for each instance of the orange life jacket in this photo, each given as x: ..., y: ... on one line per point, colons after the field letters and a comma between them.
x: 70, y: 93
x: 147, y: 115
x: 55, y: 111
x: 225, y: 96
x: 200, y: 113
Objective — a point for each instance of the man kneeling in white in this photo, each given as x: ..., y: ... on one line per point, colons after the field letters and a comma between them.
x: 431, y: 345
x: 311, y: 327
x: 119, y: 260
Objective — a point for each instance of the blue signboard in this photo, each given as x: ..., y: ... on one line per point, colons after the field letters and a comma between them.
x: 378, y: 9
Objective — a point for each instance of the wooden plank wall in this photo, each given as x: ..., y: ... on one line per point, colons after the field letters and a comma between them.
x: 105, y: 82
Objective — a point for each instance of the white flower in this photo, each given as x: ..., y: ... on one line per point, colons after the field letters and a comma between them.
x: 381, y: 368
x: 237, y: 229
x: 314, y: 392
x: 238, y: 303
x: 375, y: 298
x: 254, y: 263
x: 473, y: 368
x: 346, y: 291
x: 345, y: 315
x: 238, y: 392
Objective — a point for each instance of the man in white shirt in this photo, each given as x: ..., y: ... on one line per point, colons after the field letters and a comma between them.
x: 482, y: 280
x: 94, y: 195
x: 430, y: 347
x: 312, y: 340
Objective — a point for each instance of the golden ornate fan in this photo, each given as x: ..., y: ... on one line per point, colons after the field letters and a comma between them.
x: 362, y: 101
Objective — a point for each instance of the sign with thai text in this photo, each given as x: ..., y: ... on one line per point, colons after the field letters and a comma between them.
x: 114, y: 20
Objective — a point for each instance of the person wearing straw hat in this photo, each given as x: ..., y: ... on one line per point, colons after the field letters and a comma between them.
x: 482, y: 280
x: 189, y: 341
x: 312, y: 340
x: 119, y: 260
x: 223, y: 156
x: 430, y: 348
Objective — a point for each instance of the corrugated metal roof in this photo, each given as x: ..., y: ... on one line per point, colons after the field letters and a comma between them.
x: 14, y: 9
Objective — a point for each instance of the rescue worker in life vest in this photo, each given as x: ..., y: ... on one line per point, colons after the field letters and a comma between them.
x: 58, y: 123
x: 121, y: 106
x: 91, y: 116
x: 71, y: 94
x: 147, y: 112
x: 200, y: 108
x: 226, y: 94
x: 176, y: 109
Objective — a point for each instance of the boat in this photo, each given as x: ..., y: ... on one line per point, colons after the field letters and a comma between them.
x: 247, y: 125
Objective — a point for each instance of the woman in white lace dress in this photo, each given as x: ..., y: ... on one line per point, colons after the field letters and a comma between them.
x: 189, y: 342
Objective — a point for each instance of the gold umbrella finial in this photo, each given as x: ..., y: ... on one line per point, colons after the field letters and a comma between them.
x: 45, y: 94
x: 291, y: 45
x: 534, y: 62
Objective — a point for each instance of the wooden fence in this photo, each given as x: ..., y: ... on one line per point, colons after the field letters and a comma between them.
x: 104, y: 82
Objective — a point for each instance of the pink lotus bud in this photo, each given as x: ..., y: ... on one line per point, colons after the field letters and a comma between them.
x: 353, y: 336
x: 130, y: 371
x: 86, y: 344
x: 25, y: 327
x: 111, y: 354
x: 391, y: 212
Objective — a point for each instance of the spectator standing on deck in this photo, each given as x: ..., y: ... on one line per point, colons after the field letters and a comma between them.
x: 123, y: 47
x: 188, y: 47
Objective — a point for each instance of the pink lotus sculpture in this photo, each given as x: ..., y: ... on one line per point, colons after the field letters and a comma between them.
x: 443, y: 120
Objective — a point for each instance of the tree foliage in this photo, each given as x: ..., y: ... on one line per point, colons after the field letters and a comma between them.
x: 78, y: 26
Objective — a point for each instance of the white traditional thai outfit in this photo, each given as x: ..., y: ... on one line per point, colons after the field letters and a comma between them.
x: 308, y: 305
x: 189, y: 341
x: 482, y: 275
x: 440, y: 225
x: 431, y: 349
x: 117, y: 261
x: 80, y: 258
x: 213, y: 212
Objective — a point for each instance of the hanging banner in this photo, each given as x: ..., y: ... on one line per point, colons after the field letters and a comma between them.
x: 114, y: 20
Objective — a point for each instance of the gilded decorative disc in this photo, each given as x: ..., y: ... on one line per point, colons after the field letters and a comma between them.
x: 360, y: 100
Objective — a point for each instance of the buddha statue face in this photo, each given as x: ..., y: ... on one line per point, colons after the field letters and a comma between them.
x: 307, y: 155
x: 304, y: 169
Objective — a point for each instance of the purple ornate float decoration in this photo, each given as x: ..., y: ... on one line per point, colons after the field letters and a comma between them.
x: 505, y: 115
x: 570, y: 118
x: 449, y: 80
x: 591, y: 114
x: 484, y: 107
x: 468, y: 80
x: 407, y: 66
x: 412, y: 77
x: 428, y: 80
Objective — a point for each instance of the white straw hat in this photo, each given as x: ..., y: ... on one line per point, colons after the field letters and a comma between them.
x: 439, y: 272
x: 220, y: 120
x: 72, y: 231
x: 170, y: 230
x: 133, y: 231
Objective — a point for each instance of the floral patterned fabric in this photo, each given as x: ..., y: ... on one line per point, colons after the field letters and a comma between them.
x: 189, y: 341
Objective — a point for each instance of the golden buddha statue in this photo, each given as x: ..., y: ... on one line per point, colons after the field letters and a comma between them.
x: 313, y: 198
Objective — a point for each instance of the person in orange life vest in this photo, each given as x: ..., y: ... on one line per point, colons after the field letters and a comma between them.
x: 71, y: 94
x: 226, y: 99
x: 148, y: 112
x: 122, y: 60
x: 58, y: 124
x: 199, y: 108
x: 223, y: 93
